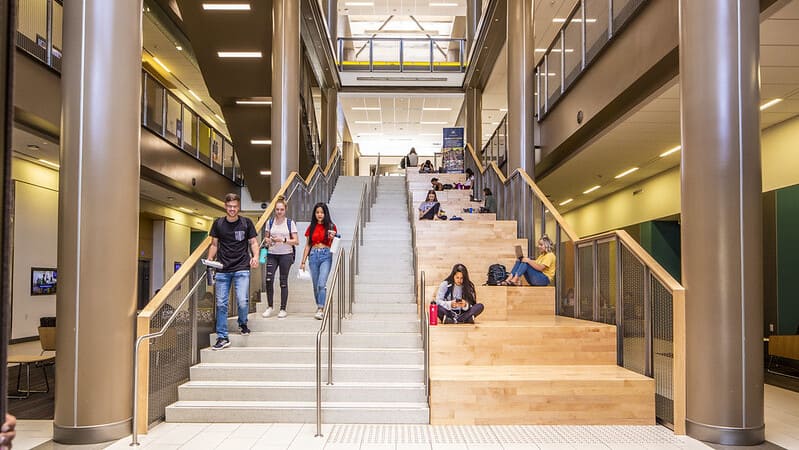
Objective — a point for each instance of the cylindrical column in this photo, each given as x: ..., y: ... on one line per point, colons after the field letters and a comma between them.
x: 473, y: 10
x: 520, y: 86
x: 474, y: 121
x: 330, y: 124
x: 721, y: 220
x: 285, y: 154
x: 98, y: 217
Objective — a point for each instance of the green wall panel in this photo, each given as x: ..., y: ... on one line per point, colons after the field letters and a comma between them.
x: 788, y: 259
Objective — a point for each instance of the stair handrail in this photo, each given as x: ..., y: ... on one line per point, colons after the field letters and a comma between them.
x: 531, y: 209
x: 192, y: 268
x: 336, y: 284
x: 424, y: 323
x: 343, y: 280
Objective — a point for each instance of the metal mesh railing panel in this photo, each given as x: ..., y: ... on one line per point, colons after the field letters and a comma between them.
x: 606, y: 259
x: 564, y: 276
x: 585, y: 256
x: 169, y: 359
x: 663, y: 350
x: 633, y: 325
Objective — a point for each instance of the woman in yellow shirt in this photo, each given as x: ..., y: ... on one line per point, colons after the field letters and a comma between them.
x: 538, y: 272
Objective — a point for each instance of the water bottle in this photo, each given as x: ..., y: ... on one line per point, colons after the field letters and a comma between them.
x: 433, y: 314
x: 262, y: 255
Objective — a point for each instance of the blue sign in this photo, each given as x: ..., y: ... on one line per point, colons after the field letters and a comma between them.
x: 453, y: 150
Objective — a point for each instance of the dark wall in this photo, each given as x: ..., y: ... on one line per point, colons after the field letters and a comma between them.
x: 787, y: 231
x: 662, y: 240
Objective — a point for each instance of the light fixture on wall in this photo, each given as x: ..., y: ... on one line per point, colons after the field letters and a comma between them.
x: 565, y: 202
x: 626, y: 172
x: 670, y: 151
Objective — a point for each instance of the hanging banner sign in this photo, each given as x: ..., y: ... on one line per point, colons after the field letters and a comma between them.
x: 453, y: 150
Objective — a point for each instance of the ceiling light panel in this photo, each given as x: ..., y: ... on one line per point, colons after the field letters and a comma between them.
x: 591, y: 189
x: 626, y: 172
x: 226, y: 6
x: 229, y: 54
x: 670, y: 151
x: 253, y: 101
x: 261, y: 141
x: 770, y: 103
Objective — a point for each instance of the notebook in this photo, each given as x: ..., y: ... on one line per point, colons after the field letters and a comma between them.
x: 519, y: 253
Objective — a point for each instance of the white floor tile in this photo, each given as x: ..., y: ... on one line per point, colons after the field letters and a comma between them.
x: 519, y: 447
x: 237, y: 443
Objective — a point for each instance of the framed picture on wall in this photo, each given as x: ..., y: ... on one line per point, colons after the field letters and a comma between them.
x: 43, y: 280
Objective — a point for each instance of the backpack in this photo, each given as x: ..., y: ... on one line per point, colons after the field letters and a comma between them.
x: 404, y: 162
x: 496, y: 274
x: 288, y: 225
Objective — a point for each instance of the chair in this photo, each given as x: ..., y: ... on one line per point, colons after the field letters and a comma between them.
x: 47, y: 341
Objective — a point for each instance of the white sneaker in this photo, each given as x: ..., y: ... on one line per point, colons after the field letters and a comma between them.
x: 267, y: 313
x: 318, y: 315
x: 282, y: 314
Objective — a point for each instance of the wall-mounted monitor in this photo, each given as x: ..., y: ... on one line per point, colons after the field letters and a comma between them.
x: 43, y: 280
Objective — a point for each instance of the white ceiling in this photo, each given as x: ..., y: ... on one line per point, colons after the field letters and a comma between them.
x: 402, y: 7
x: 398, y: 121
x: 639, y: 139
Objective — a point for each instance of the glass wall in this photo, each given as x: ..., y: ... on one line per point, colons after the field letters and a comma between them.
x: 204, y: 143
x: 153, y: 105
x: 174, y: 119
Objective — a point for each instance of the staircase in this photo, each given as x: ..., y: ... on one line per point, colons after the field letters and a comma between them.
x: 270, y: 375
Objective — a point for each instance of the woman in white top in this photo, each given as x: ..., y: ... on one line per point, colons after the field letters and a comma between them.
x: 456, y: 298
x: 281, y: 237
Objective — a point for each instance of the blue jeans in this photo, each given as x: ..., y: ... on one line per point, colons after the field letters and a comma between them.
x: 241, y: 283
x: 534, y: 277
x: 319, y: 262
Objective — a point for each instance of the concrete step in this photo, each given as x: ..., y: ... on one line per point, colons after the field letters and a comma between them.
x: 387, y: 323
x: 297, y: 412
x: 307, y: 355
x: 305, y: 372
x: 378, y: 308
x: 306, y: 339
x: 279, y: 391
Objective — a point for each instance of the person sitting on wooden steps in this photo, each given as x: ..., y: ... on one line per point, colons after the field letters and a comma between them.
x: 457, y: 299
x: 538, y: 272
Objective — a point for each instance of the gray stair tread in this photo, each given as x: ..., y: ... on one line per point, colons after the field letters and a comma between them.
x: 324, y: 350
x: 293, y: 405
x: 372, y: 367
x: 260, y: 384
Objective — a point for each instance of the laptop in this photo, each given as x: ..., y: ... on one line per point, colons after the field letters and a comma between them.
x: 519, y: 253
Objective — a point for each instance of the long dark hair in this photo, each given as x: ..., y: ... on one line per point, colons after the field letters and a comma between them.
x: 469, y: 293
x: 327, y: 222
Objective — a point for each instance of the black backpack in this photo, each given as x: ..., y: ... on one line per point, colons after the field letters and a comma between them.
x: 496, y: 274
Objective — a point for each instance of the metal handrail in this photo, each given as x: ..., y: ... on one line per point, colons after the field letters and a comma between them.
x: 140, y: 339
x: 424, y: 323
x: 322, y: 327
x: 520, y: 199
x: 310, y: 186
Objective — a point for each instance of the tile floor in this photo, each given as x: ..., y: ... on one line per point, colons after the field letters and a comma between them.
x: 781, y: 413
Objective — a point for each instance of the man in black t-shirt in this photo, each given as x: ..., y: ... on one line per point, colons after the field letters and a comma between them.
x: 232, y: 234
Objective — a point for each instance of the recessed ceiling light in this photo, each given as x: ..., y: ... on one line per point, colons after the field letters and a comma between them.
x: 626, y: 172
x: 591, y: 189
x: 157, y: 61
x: 433, y: 123
x: 179, y: 48
x: 253, y: 102
x: 574, y: 19
x: 226, y: 6
x: 239, y: 54
x: 368, y: 122
x: 360, y: 3
x: 261, y: 141
x: 266, y: 172
x: 193, y: 94
x: 554, y: 50
x: 565, y: 202
x: 366, y: 108
x: 51, y: 164
x: 436, y: 109
x: 670, y: 151
x: 770, y: 103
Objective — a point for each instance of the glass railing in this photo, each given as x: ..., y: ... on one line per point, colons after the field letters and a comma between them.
x: 167, y: 116
x: 588, y: 28
x: 39, y: 34
x: 495, y: 149
x: 378, y: 54
x: 39, y: 30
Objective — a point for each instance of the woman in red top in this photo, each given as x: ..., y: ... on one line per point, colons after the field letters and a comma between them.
x: 320, y: 234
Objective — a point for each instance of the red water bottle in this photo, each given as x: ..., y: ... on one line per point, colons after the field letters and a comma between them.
x: 433, y: 313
